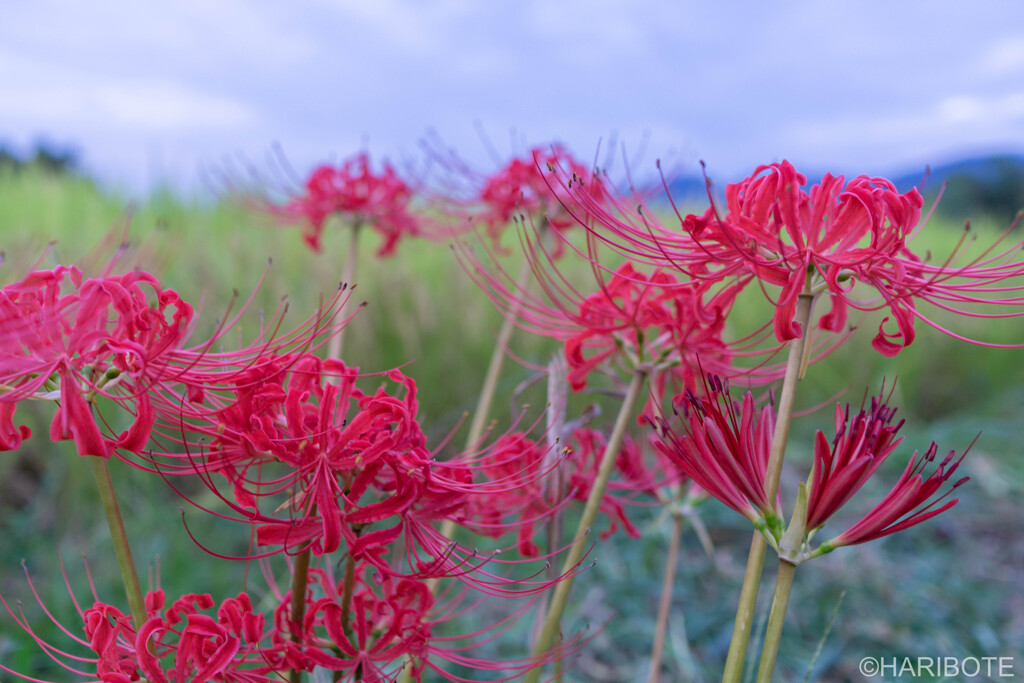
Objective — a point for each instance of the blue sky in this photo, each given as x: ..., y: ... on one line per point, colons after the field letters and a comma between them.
x: 150, y: 92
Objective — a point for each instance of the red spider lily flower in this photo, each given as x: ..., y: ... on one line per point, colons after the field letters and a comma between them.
x: 724, y: 449
x: 68, y: 339
x: 633, y: 318
x: 521, y: 496
x: 176, y: 643
x: 520, y: 188
x: 841, y: 468
x: 366, y: 629
x: 341, y: 458
x: 634, y: 476
x: 518, y: 465
x: 649, y: 319
x: 836, y: 232
x: 71, y: 340
x: 824, y: 240
x: 911, y: 501
x: 357, y: 194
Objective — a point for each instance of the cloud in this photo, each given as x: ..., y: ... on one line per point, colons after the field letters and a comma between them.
x: 169, y: 107
x: 1004, y: 58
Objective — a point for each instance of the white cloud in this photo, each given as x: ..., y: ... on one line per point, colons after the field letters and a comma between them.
x: 170, y: 107
x: 1005, y: 57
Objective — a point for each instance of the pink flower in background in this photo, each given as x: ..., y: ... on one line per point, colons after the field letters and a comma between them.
x: 521, y: 188
x: 649, y: 319
x: 359, y: 196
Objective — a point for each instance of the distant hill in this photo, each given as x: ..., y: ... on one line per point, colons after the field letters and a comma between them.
x: 989, y: 186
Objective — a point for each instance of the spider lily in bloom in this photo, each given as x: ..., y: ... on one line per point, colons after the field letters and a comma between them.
x: 633, y: 318
x: 520, y: 188
x: 330, y: 458
x: 313, y: 462
x: 70, y: 339
x: 178, y: 642
x: 823, y: 241
x: 520, y: 473
x: 352, y: 191
x: 518, y: 191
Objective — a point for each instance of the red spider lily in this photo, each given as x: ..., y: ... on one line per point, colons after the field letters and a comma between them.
x: 516, y: 192
x: 909, y: 503
x: 634, y: 477
x: 836, y: 232
x: 520, y: 188
x: 319, y: 464
x: 341, y: 458
x: 69, y: 339
x: 633, y: 318
x: 72, y: 340
x: 724, y: 449
x: 365, y: 628
x: 517, y: 469
x: 841, y: 468
x: 357, y: 194
x: 177, y: 643
x: 823, y: 240
x: 649, y: 319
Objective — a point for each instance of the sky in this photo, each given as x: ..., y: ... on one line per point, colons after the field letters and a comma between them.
x: 153, y: 93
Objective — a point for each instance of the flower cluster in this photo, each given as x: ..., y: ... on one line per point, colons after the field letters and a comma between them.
x: 292, y: 447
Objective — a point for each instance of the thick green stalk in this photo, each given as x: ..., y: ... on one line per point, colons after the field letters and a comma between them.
x: 772, y: 637
x: 552, y: 623
x: 755, y: 560
x: 349, y: 272
x: 790, y: 549
x: 129, y: 577
x: 668, y: 583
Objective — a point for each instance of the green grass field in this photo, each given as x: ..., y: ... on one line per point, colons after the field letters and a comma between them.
x: 952, y: 587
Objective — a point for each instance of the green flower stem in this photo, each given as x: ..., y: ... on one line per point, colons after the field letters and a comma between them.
x: 745, y: 612
x: 671, y: 563
x: 783, y: 586
x: 561, y: 596
x: 129, y: 577
x: 347, y: 274
x: 790, y: 547
x: 300, y: 579
x: 755, y: 560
